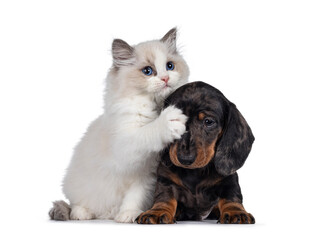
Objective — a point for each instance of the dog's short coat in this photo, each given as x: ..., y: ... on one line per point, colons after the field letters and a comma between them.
x: 197, y: 176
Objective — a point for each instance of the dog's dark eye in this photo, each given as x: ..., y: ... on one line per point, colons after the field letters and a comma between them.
x: 147, y: 70
x: 209, y: 122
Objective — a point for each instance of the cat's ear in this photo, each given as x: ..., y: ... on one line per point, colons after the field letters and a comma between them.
x: 170, y: 38
x: 122, y: 53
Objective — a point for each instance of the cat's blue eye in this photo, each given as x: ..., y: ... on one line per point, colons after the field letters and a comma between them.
x: 170, y: 66
x: 147, y: 70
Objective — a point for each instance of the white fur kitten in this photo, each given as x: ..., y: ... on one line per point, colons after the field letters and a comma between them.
x: 112, y: 172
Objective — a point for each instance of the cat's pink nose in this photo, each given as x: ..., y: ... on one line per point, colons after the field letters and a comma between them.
x: 165, y: 79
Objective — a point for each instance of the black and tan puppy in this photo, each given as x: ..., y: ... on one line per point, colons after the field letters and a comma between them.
x: 197, y: 176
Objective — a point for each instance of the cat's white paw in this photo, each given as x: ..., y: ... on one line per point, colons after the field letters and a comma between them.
x: 80, y: 213
x: 128, y: 216
x: 175, y: 122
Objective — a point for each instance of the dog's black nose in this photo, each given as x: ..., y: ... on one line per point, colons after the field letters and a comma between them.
x: 186, y: 159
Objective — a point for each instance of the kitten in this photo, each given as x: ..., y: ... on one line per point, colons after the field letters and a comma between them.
x: 112, y: 171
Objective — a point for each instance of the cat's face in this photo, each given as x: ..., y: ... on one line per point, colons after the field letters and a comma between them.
x: 153, y: 67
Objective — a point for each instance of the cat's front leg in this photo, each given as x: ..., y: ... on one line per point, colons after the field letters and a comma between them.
x: 155, y: 136
x: 132, y: 145
x: 137, y: 199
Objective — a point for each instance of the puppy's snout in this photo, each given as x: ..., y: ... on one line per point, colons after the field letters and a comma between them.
x: 186, y: 151
x: 186, y: 159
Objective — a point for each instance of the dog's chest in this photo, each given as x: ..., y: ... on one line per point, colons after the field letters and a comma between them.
x: 198, y: 198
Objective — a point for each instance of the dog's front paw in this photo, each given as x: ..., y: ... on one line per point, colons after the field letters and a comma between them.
x: 128, y: 216
x: 175, y: 123
x: 155, y: 217
x: 236, y: 217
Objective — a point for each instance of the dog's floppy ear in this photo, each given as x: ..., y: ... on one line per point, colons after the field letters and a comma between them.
x: 234, y: 145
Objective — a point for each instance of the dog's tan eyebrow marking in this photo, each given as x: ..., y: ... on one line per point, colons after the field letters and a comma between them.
x: 201, y: 116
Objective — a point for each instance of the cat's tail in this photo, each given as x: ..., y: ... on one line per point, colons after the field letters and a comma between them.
x: 60, y: 211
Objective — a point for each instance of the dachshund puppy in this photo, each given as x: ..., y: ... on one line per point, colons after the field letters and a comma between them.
x: 197, y: 176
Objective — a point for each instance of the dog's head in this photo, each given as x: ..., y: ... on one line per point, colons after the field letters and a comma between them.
x: 216, y: 130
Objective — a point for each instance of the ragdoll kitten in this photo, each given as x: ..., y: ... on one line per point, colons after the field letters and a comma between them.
x: 112, y: 171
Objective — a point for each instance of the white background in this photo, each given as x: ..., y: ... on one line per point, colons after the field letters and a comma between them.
x: 263, y: 55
